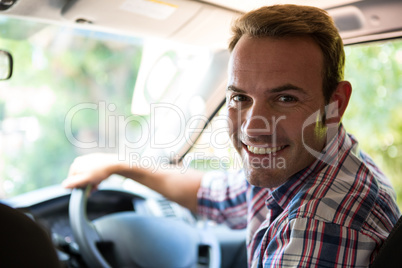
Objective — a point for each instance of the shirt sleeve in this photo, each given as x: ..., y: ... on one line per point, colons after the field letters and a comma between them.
x: 222, y: 198
x: 312, y: 243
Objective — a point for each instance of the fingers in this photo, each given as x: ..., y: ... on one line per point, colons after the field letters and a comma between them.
x: 89, y: 169
x: 76, y: 181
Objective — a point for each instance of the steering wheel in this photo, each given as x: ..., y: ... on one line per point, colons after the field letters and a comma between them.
x: 138, y: 240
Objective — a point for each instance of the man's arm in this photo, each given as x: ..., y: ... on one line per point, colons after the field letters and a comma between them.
x: 180, y: 187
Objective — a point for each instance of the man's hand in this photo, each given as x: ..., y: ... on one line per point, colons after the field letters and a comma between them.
x: 90, y: 169
x: 170, y: 182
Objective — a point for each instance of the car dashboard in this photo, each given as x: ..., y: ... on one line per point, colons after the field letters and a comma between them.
x: 49, y: 208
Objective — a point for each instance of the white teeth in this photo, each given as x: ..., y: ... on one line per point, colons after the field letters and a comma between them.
x: 257, y: 150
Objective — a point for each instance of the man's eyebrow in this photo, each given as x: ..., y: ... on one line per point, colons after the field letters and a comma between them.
x: 279, y: 89
x: 286, y: 87
x: 235, y: 89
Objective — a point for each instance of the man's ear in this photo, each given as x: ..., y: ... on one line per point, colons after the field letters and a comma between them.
x: 339, y: 102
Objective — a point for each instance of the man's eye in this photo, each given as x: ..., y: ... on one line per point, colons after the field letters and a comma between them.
x: 239, y: 98
x: 287, y: 98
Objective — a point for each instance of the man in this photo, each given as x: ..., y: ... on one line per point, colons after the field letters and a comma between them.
x: 307, y: 195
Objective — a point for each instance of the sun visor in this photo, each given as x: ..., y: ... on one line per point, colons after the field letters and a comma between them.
x: 157, y: 18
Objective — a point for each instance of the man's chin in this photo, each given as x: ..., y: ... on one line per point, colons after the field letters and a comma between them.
x: 268, y: 171
x: 266, y: 178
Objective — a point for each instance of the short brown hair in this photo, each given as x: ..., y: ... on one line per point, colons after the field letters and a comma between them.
x: 294, y: 20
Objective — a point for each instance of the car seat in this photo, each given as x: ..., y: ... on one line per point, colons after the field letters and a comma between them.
x: 23, y: 243
x: 390, y: 254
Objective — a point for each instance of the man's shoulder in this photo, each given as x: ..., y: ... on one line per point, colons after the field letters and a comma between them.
x: 346, y: 194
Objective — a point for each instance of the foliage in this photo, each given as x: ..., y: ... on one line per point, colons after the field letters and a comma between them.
x: 374, y: 114
x: 56, y: 69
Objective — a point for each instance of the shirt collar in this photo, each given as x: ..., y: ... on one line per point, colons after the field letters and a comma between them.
x: 330, y: 155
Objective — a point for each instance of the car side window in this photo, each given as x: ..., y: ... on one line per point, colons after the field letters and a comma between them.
x: 374, y: 114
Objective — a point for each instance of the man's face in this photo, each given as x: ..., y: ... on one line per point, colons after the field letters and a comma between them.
x: 275, y: 85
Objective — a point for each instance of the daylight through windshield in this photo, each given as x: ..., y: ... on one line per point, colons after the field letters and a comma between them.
x: 71, y: 93
x: 76, y: 91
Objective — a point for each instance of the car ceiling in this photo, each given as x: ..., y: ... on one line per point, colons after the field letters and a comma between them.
x: 203, y: 22
x: 248, y: 5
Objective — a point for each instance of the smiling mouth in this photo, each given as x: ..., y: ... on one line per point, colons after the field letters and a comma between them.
x: 259, y: 150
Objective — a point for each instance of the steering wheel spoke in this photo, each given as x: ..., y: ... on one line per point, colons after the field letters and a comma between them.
x: 85, y: 233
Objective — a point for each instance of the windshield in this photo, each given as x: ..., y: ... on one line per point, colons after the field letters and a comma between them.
x: 72, y: 93
x: 76, y: 91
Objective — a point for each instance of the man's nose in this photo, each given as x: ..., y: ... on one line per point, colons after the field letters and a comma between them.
x: 258, y: 121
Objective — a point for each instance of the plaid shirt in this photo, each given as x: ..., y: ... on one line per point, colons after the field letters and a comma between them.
x: 334, y: 213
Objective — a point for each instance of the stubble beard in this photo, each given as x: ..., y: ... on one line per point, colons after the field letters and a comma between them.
x: 270, y: 172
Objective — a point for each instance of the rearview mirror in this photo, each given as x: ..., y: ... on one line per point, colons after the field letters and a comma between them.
x: 6, y: 65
